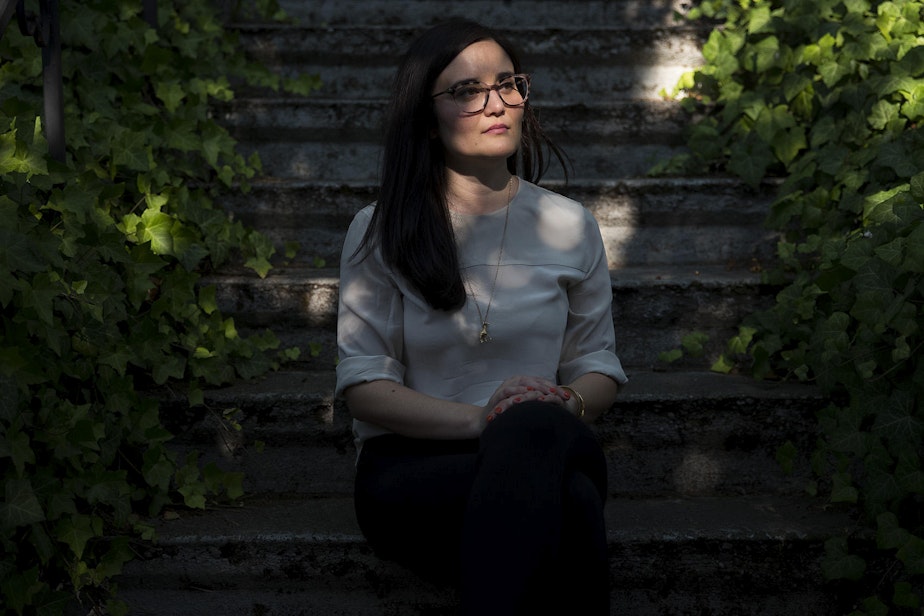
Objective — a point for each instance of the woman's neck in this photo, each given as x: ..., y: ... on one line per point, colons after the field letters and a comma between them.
x: 475, y: 194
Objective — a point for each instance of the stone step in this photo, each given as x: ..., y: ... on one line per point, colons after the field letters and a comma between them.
x: 644, y: 221
x: 589, y: 64
x: 669, y: 434
x: 636, y: 14
x: 332, y: 161
x: 653, y: 307
x: 333, y: 140
x: 718, y: 556
x: 306, y: 120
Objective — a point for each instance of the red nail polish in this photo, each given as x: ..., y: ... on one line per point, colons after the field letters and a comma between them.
x: 552, y: 390
x: 518, y: 399
x: 490, y: 417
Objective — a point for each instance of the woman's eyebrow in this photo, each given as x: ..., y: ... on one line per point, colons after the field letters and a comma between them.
x: 464, y: 82
x: 470, y: 80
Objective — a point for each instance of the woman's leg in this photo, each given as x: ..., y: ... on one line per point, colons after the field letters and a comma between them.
x: 410, y: 496
x: 533, y: 539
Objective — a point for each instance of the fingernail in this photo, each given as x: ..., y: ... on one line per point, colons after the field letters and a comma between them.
x: 518, y: 399
x: 497, y: 409
x: 552, y: 390
x: 490, y: 417
x: 566, y: 395
x: 529, y: 389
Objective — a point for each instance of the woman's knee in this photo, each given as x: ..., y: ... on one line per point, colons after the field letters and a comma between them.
x: 535, y: 418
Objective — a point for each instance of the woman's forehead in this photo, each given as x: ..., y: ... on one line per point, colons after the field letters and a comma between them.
x: 480, y: 61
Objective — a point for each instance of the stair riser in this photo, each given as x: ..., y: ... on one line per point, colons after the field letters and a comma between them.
x: 648, y: 578
x: 649, y: 318
x: 735, y: 246
x: 567, y: 65
x: 648, y: 225
x: 522, y: 14
x: 326, y: 161
x: 305, y: 120
x: 669, y: 447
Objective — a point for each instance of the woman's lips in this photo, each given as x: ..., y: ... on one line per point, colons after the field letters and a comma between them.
x: 497, y: 129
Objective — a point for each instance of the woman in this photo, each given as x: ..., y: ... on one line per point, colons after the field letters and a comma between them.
x: 476, y: 342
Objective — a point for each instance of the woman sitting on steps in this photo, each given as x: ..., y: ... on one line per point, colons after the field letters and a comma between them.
x: 476, y: 343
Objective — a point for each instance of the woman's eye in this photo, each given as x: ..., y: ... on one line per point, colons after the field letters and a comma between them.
x: 507, y: 86
x: 468, y: 92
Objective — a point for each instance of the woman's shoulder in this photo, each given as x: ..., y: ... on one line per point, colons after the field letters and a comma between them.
x: 543, y: 202
x: 362, y: 218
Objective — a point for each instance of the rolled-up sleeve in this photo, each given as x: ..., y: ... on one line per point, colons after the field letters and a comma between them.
x: 590, y: 342
x: 370, y: 315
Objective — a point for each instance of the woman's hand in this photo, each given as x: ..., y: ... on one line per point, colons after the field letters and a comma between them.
x: 519, y: 389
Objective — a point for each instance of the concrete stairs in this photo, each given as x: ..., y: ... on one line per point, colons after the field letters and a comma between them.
x: 702, y: 519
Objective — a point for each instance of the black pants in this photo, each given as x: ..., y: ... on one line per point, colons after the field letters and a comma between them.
x: 514, y: 518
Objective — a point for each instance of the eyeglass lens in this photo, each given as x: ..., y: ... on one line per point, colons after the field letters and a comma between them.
x: 473, y: 98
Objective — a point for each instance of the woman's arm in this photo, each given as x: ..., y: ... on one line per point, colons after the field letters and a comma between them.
x: 598, y: 391
x: 404, y: 411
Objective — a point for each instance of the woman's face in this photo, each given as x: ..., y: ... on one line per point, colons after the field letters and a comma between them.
x: 491, y: 135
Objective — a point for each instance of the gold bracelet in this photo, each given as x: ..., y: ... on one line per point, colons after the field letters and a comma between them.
x: 580, y: 400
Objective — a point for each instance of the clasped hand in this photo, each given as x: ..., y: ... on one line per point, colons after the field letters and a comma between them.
x: 519, y: 389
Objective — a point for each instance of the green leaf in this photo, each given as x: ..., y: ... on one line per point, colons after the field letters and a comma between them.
x: 20, y: 587
x: 898, y: 422
x: 19, y: 448
x: 892, y: 252
x: 156, y: 229
x: 905, y: 595
x: 786, y: 455
x: 260, y: 265
x: 912, y: 555
x: 169, y: 367
x: 670, y: 356
x: 750, y: 159
x: 171, y: 93
x: 158, y: 469
x: 914, y: 245
x: 883, y: 114
x: 77, y: 530
x: 839, y: 564
x: 132, y: 150
x: 889, y: 535
x: 722, y: 365
x: 20, y: 506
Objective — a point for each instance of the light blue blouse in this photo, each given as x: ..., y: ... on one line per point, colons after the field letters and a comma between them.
x: 550, y: 315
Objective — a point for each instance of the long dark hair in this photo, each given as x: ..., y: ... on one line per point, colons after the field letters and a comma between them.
x: 411, y: 223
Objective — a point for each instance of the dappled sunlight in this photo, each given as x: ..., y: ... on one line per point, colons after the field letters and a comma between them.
x: 698, y: 473
x: 560, y: 228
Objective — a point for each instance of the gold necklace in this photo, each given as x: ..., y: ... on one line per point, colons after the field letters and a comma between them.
x: 483, y: 335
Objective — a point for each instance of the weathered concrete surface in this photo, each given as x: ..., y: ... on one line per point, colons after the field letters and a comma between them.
x: 670, y: 433
x: 702, y: 519
x: 664, y: 554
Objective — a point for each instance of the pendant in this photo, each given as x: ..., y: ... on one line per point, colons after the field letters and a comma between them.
x: 483, y: 336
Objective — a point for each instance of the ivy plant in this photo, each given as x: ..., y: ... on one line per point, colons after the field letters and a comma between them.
x: 101, y: 301
x: 826, y: 97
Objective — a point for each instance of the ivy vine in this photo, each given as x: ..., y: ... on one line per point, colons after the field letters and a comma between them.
x: 100, y: 297
x: 827, y: 96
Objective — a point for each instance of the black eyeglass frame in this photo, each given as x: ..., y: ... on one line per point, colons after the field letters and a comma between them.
x: 487, y: 92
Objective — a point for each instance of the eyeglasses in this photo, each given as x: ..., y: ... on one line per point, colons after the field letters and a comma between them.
x: 472, y: 98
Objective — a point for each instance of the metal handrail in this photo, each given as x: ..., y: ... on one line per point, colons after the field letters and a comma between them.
x: 46, y: 31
